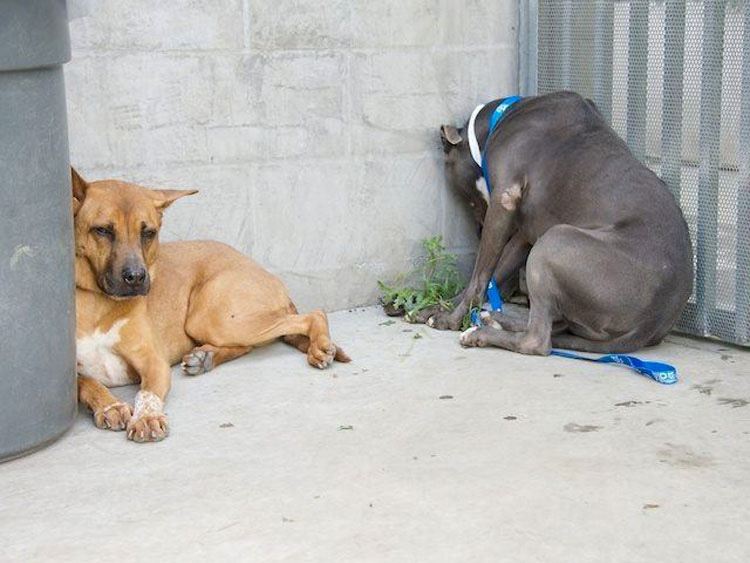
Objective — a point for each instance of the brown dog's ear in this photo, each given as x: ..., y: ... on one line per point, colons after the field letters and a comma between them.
x: 165, y: 198
x: 80, y: 187
x: 450, y: 136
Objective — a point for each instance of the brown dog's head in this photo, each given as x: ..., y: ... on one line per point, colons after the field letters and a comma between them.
x: 463, y: 175
x: 116, y: 226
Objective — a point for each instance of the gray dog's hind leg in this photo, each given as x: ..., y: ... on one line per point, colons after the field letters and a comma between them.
x: 555, y: 275
x: 492, y: 336
x: 515, y: 318
x: 621, y: 345
x: 536, y: 337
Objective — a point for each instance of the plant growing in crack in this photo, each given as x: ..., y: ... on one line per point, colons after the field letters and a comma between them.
x: 434, y: 281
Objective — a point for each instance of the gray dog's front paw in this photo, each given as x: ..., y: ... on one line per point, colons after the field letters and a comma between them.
x: 421, y: 317
x: 444, y: 320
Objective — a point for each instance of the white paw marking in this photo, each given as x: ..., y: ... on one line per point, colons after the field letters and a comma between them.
x: 487, y: 319
x: 431, y: 321
x: 147, y: 403
x: 97, y: 358
x: 464, y: 338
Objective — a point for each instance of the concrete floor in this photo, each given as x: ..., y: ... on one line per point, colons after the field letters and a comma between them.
x: 417, y: 451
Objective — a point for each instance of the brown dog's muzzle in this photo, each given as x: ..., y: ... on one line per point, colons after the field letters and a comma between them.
x: 130, y: 280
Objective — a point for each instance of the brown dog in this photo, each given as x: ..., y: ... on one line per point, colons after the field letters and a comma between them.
x: 141, y: 307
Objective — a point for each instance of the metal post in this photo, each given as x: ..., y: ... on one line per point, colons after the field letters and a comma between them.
x: 708, y: 171
x: 566, y: 53
x: 742, y: 274
x: 528, y: 47
x: 637, y: 77
x: 671, y: 126
x: 603, y: 42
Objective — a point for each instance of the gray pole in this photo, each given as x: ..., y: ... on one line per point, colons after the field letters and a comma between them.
x: 565, y: 53
x: 37, y: 299
x: 671, y: 126
x: 708, y: 171
x: 528, y: 47
x: 603, y: 43
x: 742, y: 273
x: 637, y: 77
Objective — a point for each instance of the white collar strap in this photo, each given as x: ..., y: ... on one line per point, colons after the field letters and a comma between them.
x: 476, y: 154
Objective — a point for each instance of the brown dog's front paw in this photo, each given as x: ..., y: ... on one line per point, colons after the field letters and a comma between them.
x: 148, y: 428
x: 113, y: 417
x: 149, y: 423
x: 444, y: 320
x: 197, y: 362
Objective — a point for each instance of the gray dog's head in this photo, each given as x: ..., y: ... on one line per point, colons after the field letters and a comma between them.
x: 463, y: 174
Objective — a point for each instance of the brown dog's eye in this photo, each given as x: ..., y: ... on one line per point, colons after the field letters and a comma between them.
x: 106, y: 232
x: 148, y: 234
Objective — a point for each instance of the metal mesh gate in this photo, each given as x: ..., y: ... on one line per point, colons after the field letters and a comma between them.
x: 673, y: 78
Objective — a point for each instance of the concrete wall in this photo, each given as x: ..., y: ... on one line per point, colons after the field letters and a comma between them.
x: 310, y: 127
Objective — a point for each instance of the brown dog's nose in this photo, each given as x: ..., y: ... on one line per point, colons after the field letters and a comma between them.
x: 133, y: 277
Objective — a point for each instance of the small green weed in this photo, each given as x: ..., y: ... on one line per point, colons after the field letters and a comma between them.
x: 435, y: 281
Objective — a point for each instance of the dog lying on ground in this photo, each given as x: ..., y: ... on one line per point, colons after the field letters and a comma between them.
x: 609, y: 263
x: 141, y: 307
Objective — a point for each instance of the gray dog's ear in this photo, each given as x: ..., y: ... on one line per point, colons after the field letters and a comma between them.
x: 450, y: 136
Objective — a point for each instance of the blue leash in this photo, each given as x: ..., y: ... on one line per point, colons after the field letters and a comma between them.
x: 658, y: 371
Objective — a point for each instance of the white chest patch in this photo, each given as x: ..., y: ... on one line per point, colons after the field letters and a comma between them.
x: 482, y: 189
x: 97, y: 358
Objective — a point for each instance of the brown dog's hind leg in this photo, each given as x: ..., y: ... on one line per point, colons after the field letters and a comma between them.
x: 321, y: 351
x: 109, y: 412
x: 205, y: 358
x: 208, y: 325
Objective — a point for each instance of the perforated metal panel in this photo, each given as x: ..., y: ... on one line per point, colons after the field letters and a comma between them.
x: 673, y: 79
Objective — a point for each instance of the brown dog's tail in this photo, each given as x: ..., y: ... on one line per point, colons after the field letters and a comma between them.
x: 341, y: 356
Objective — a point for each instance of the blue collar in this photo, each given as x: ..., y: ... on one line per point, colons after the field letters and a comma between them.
x: 495, y: 119
x: 497, y: 115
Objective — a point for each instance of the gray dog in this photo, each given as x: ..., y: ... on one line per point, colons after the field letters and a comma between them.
x: 609, y: 264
